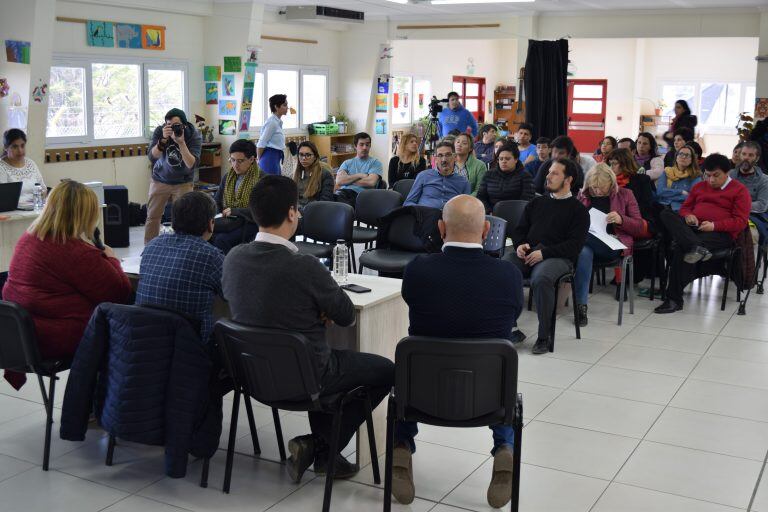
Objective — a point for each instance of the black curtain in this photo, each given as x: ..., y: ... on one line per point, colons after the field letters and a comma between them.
x: 546, y: 87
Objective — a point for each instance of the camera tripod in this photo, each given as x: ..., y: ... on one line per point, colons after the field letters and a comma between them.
x: 427, y: 144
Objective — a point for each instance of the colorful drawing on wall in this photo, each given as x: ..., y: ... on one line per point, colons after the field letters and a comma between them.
x: 212, y: 73
x: 382, y: 95
x: 227, y: 126
x: 211, y: 93
x: 100, y: 33
x: 250, y: 74
x: 381, y: 126
x: 128, y: 35
x: 40, y: 92
x: 761, y: 108
x: 247, y: 98
x: 152, y: 37
x: 253, y: 53
x: 227, y: 108
x: 233, y: 64
x: 17, y: 51
x: 227, y: 85
x: 245, y: 120
x: 4, y: 87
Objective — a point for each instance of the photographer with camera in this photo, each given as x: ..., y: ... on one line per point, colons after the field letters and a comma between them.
x: 456, y: 117
x: 174, y: 155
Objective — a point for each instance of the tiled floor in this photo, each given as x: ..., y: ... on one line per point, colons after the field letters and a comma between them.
x: 663, y: 414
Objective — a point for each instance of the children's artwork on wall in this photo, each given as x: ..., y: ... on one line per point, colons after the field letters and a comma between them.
x: 211, y: 93
x: 100, y: 33
x: 253, y: 54
x: 40, y: 92
x: 227, y: 85
x: 233, y: 64
x: 212, y: 73
x: 128, y: 35
x: 227, y: 108
x: 17, y: 51
x: 152, y: 37
x: 227, y: 126
x: 250, y: 74
x: 245, y: 120
x: 382, y: 95
x: 381, y: 126
x: 247, y: 98
x: 4, y: 87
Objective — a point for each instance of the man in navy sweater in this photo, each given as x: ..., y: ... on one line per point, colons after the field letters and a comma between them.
x: 460, y: 293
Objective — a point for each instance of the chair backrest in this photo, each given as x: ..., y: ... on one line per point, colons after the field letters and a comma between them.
x: 497, y: 235
x: 403, y: 187
x: 327, y: 221
x: 455, y: 381
x: 401, y: 234
x: 18, y: 348
x: 270, y: 365
x: 371, y: 205
x: 511, y: 211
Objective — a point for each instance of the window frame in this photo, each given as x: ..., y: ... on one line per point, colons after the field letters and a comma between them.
x: 86, y: 62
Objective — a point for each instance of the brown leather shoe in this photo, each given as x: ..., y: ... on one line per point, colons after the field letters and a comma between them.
x: 500, y: 488
x: 402, y: 475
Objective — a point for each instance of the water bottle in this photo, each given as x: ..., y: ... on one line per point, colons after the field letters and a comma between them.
x: 340, y: 262
x: 37, y: 194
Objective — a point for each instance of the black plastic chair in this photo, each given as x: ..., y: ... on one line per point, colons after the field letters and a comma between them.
x: 405, y: 246
x: 455, y: 383
x: 511, y: 211
x: 761, y: 260
x: 654, y: 245
x: 730, y: 258
x: 565, y: 278
x: 496, y: 239
x: 327, y: 222
x: 403, y: 187
x: 277, y: 368
x: 626, y: 263
x: 372, y: 205
x: 19, y: 352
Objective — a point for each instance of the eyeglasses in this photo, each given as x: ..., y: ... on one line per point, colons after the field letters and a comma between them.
x: 443, y: 156
x: 306, y: 155
x: 238, y: 161
x: 684, y: 155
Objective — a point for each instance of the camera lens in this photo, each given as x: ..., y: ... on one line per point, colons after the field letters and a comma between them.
x: 177, y: 129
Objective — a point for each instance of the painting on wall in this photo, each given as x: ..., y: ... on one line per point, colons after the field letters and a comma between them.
x: 247, y: 98
x: 227, y: 126
x: 245, y: 120
x: 233, y: 64
x: 128, y: 35
x: 227, y: 108
x: 152, y: 37
x: 211, y: 93
x: 250, y: 73
x: 100, y: 33
x: 227, y: 85
x: 212, y: 73
x: 17, y: 51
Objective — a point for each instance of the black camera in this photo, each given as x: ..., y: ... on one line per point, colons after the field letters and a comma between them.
x: 178, y: 129
x: 435, y: 106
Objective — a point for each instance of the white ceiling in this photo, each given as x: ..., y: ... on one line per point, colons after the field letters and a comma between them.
x: 421, y: 10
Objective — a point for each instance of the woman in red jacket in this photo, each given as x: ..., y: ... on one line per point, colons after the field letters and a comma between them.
x: 57, y: 273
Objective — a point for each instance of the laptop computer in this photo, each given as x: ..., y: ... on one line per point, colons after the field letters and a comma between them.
x: 9, y: 196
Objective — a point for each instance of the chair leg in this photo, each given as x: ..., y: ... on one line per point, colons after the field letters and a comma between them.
x: 231, y: 443
x: 204, y: 473
x: 727, y: 282
x: 517, y: 451
x: 654, y: 263
x: 110, y: 450
x: 279, y: 432
x: 333, y: 449
x: 252, y: 425
x: 351, y: 259
x: 554, y: 318
x: 372, y: 440
x: 389, y: 454
x: 631, y: 272
x: 622, y: 288
x: 49, y: 421
x: 575, y: 312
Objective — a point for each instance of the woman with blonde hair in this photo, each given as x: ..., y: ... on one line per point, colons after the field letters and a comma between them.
x: 407, y: 163
x: 601, y: 192
x: 60, y: 271
x: 313, y: 179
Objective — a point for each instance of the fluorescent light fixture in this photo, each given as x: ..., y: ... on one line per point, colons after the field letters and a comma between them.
x: 398, y: 1
x: 454, y: 2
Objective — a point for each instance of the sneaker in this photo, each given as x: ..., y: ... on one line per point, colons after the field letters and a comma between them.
x: 302, y: 451
x: 581, y: 315
x: 698, y: 253
x: 541, y: 346
x: 669, y: 306
x: 517, y: 336
x: 402, y: 475
x: 500, y: 488
x: 343, y: 469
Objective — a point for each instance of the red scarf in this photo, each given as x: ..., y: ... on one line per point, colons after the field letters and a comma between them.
x: 622, y: 180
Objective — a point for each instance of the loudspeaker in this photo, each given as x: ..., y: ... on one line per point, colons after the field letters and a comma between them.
x: 116, y: 217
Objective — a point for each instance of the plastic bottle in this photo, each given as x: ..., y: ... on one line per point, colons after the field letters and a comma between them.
x: 37, y: 194
x: 340, y: 262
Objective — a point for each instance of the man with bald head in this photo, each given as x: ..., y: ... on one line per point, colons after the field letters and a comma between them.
x: 460, y: 293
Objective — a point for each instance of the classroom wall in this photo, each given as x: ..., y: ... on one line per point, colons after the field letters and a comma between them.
x: 15, y: 27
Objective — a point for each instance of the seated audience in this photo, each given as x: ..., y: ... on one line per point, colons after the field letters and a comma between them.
x: 624, y: 222
x: 626, y: 170
x: 456, y: 117
x: 543, y: 151
x: 466, y: 164
x: 548, y: 240
x: 59, y: 272
x: 626, y: 143
x: 683, y: 119
x: 523, y: 138
x: 181, y: 270
x: 699, y: 152
x: 562, y: 147
x: 756, y: 181
x: 508, y: 181
x: 736, y: 155
x: 682, y: 137
x: 260, y: 278
x: 435, y: 187
x: 15, y: 166
x: 484, y: 147
x: 407, y: 163
x: 236, y: 224
x: 496, y: 145
x: 313, y: 179
x: 492, y: 292
x: 647, y: 157
x: 712, y: 216
x: 677, y: 181
x: 607, y: 145
x: 359, y: 173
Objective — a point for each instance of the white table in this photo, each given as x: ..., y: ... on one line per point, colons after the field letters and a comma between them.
x: 11, y: 230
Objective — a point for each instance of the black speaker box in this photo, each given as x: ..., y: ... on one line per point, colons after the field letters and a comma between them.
x: 116, y: 217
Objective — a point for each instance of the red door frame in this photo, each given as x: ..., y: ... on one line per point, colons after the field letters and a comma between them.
x: 586, y: 130
x: 464, y: 80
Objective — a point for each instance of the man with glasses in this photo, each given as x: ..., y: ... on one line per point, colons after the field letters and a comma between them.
x: 435, y: 187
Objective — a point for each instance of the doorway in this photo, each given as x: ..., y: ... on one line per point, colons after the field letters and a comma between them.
x: 586, y: 113
x: 471, y: 92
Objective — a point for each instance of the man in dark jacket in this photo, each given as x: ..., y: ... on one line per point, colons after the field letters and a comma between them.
x: 460, y: 293
x: 269, y: 284
x: 549, y: 238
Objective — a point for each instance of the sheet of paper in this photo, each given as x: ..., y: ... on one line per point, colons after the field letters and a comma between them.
x: 597, y: 227
x: 131, y: 265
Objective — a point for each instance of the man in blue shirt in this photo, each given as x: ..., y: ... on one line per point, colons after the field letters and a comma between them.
x: 435, y: 187
x: 524, y: 136
x: 181, y: 270
x: 543, y: 152
x: 455, y: 117
x: 359, y: 173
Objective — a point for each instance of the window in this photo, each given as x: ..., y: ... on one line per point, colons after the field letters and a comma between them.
x: 717, y: 104
x: 257, y: 107
x: 285, y: 81
x: 111, y: 100
x: 409, y: 98
x: 314, y: 100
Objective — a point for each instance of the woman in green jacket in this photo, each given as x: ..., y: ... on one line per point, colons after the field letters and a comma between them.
x: 466, y: 164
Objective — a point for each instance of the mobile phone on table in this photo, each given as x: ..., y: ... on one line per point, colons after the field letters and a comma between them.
x: 355, y: 288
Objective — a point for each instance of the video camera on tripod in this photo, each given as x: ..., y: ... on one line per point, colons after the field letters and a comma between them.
x: 431, y: 136
x: 435, y: 106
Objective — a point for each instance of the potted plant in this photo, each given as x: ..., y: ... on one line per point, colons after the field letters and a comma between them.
x: 660, y: 107
x: 745, y: 125
x: 345, y: 126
